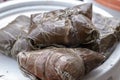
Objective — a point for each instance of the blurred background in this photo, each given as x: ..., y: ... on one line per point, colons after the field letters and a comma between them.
x: 111, y: 6
x: 2, y: 0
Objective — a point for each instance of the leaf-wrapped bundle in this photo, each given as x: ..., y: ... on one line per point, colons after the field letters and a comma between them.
x: 10, y: 33
x: 59, y: 63
x: 109, y: 29
x: 69, y: 27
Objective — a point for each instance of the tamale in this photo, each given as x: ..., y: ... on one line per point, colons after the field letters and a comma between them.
x: 59, y: 63
x: 21, y: 44
x: 107, y: 25
x: 10, y: 33
x: 85, y: 9
x: 62, y: 28
x: 24, y: 45
x: 109, y: 29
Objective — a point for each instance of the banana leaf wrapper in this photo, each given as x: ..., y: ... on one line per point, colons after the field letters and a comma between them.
x: 85, y: 9
x: 9, y: 34
x: 21, y: 44
x: 58, y: 27
x: 59, y: 63
x: 109, y: 29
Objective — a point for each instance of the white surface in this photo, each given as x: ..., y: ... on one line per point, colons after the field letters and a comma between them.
x: 9, y: 69
x: 9, y: 10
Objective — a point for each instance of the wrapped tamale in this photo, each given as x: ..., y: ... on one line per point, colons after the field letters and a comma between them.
x: 24, y: 45
x: 107, y: 25
x: 62, y: 27
x: 85, y: 9
x: 59, y: 63
x: 109, y: 29
x: 10, y: 33
x: 21, y: 44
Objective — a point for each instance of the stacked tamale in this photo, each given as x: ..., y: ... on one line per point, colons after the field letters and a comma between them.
x: 63, y: 44
x: 109, y: 29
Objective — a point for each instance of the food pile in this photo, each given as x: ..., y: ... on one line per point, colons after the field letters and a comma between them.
x: 61, y: 44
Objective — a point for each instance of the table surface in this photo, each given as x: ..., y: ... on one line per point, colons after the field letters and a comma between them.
x: 113, y: 12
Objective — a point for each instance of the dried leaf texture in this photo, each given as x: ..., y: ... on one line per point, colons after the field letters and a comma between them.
x: 109, y: 29
x: 10, y: 33
x: 63, y: 27
x: 21, y: 44
x: 59, y: 63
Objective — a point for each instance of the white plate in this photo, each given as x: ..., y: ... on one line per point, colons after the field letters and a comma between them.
x: 9, y: 10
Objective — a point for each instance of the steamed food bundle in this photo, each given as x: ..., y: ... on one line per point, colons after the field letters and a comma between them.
x: 59, y: 28
x: 109, y: 29
x: 69, y: 27
x: 21, y: 44
x: 9, y: 34
x: 84, y: 9
x: 31, y: 41
x: 63, y: 27
x: 59, y: 63
x: 64, y: 31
